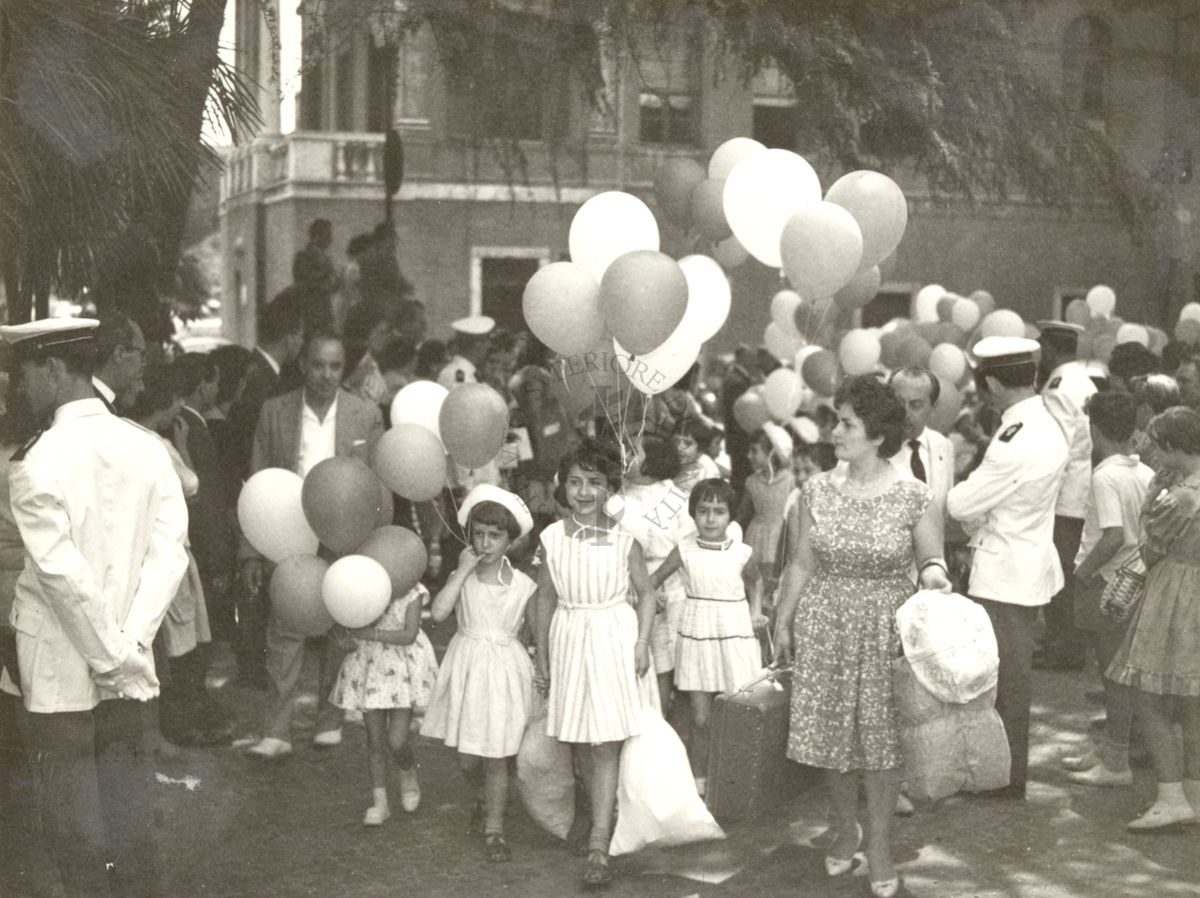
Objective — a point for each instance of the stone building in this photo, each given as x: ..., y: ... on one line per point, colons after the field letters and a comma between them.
x: 470, y: 233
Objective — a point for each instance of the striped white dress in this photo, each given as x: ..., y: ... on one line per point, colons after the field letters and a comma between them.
x: 718, y: 651
x: 593, y: 684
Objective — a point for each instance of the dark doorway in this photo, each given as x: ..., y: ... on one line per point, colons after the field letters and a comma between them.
x: 503, y: 285
x: 886, y: 305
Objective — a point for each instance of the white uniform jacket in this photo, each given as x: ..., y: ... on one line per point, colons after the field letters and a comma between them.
x: 1007, y: 505
x: 1065, y: 394
x: 103, y: 520
x: 459, y: 371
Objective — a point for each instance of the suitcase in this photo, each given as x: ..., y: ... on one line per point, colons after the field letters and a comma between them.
x: 748, y: 769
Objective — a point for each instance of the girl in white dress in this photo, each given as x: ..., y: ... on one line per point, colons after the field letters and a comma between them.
x: 660, y: 521
x: 718, y: 650
x: 591, y: 644
x: 481, y: 703
x: 389, y: 670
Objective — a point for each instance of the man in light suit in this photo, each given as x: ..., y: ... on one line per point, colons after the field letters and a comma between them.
x: 103, y: 521
x: 297, y: 431
x: 925, y: 454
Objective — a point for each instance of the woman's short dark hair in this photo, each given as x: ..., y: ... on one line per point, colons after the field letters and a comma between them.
x: 190, y: 370
x: 431, y: 356
x: 661, y: 459
x: 590, y: 455
x: 495, y: 515
x: 1159, y: 391
x: 878, y: 407
x: 1113, y: 413
x: 1176, y: 430
x: 712, y: 490
x: 397, y: 355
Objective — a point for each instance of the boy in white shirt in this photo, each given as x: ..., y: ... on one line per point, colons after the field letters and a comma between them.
x: 1111, y: 534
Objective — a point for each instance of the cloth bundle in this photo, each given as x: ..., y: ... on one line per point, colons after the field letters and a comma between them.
x: 657, y: 803
x: 949, y: 642
x: 546, y: 775
x: 948, y: 747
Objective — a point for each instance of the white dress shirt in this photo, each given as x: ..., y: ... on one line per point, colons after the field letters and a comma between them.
x: 937, y: 455
x: 318, y: 438
x: 103, y: 520
x: 104, y: 390
x: 1007, y: 508
x: 1066, y: 394
x: 269, y: 358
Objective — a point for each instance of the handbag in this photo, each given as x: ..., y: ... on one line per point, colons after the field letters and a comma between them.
x: 1123, y: 593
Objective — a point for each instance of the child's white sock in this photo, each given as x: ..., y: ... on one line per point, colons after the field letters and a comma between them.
x: 381, y: 800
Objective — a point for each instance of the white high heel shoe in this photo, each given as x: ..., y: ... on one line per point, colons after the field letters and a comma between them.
x: 886, y: 888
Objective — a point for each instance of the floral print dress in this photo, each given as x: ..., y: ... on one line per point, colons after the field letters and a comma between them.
x: 377, y: 676
x: 844, y: 637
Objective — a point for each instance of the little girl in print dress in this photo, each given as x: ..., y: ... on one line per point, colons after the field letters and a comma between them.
x: 389, y: 670
x: 481, y: 703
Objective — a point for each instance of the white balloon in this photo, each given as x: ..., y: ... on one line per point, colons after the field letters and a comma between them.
x: 965, y: 314
x: 271, y: 516
x: 660, y: 368
x: 730, y: 153
x: 708, y: 298
x: 878, y: 205
x: 609, y: 225
x: 859, y: 352
x: 1133, y: 333
x: 762, y: 192
x: 783, y: 392
x: 924, y: 307
x: 781, y: 342
x: 948, y: 362
x: 356, y: 590
x: 1190, y: 312
x: 783, y: 309
x: 420, y: 403
x: 1102, y: 300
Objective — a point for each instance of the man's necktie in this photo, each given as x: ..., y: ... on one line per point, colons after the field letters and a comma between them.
x: 918, y: 467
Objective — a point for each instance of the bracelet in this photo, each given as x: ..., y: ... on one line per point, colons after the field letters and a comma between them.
x: 930, y: 562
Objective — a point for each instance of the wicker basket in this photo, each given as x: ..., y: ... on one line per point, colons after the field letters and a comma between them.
x: 1124, y: 591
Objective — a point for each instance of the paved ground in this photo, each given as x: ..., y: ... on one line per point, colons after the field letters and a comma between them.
x: 243, y: 829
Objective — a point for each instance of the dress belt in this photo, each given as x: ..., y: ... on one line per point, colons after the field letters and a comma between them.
x: 490, y: 637
x: 713, y: 599
x: 612, y: 603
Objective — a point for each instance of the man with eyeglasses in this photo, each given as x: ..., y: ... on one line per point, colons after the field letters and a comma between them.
x: 120, y: 361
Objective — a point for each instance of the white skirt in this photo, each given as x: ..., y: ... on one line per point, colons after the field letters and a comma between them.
x: 593, y: 684
x: 717, y: 650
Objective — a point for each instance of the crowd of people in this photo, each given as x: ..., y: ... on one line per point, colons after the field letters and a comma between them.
x: 608, y: 552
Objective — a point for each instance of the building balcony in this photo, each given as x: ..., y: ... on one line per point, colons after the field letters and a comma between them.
x: 350, y: 164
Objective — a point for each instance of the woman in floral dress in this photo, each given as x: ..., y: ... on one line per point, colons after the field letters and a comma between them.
x: 854, y: 536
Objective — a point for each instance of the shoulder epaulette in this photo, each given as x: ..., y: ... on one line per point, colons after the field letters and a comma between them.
x: 20, y: 454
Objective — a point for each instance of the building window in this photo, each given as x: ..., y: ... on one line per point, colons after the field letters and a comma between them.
x: 498, y: 278
x: 381, y: 68
x: 412, y: 80
x: 889, y: 303
x: 775, y: 120
x: 668, y: 102
x: 1087, y: 51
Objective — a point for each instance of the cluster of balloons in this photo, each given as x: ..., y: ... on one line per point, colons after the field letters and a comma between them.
x: 621, y: 296
x: 343, y: 506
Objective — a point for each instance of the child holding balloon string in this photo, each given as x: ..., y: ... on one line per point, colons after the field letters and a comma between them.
x: 592, y: 646
x: 484, y: 693
x: 388, y: 671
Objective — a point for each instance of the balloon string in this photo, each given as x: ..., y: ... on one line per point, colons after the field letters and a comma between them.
x: 604, y: 405
x: 438, y: 510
